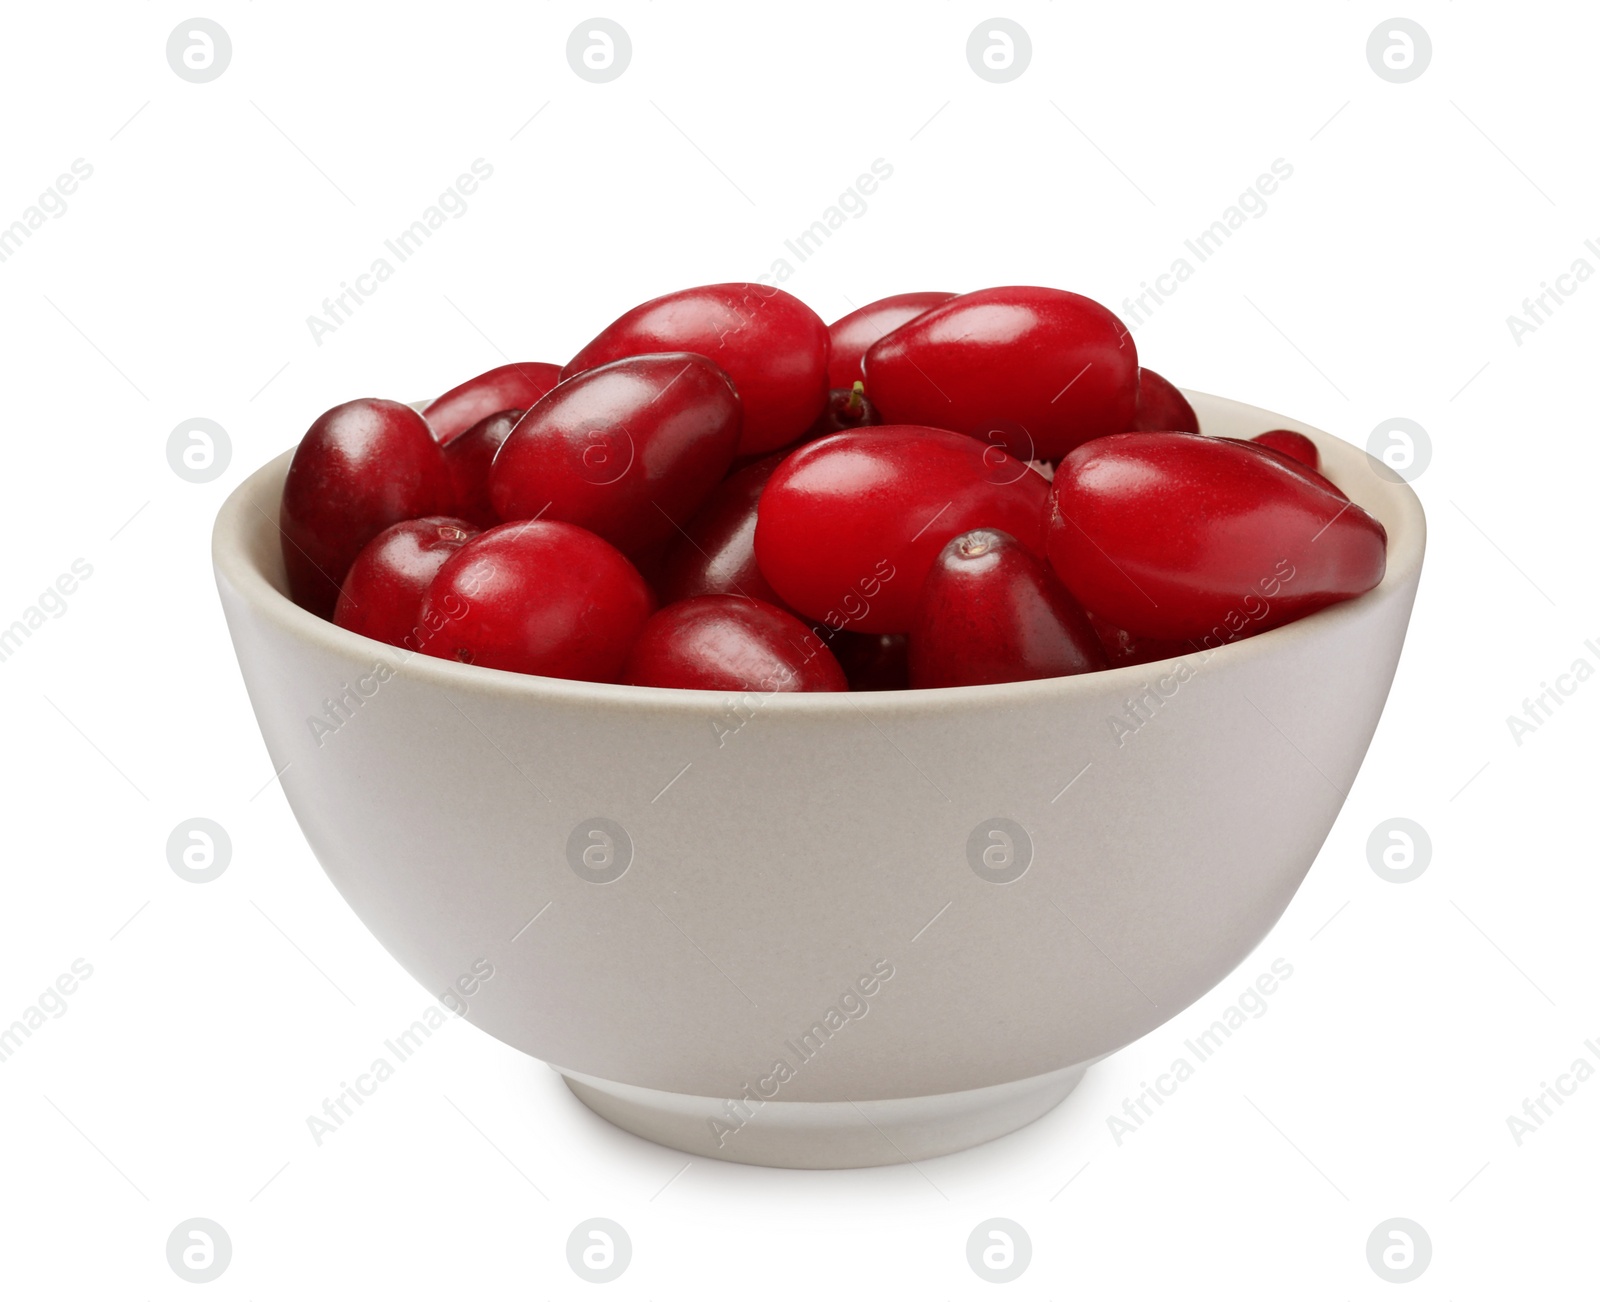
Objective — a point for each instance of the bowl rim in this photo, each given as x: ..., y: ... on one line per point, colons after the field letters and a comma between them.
x: 236, y: 535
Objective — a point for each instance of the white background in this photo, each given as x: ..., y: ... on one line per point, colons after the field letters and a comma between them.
x: 178, y: 283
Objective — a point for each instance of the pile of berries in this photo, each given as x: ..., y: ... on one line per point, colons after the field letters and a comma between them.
x: 721, y: 492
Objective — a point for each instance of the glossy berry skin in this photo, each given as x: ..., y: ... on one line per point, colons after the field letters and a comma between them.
x: 850, y: 525
x: 361, y: 467
x: 1292, y: 444
x: 872, y: 662
x: 1123, y: 648
x: 1161, y: 406
x: 727, y: 644
x: 1278, y: 454
x: 539, y: 597
x: 991, y: 611
x: 1057, y: 364
x: 469, y: 456
x: 627, y: 450
x: 382, y: 594
x: 716, y: 552
x: 850, y: 336
x: 773, y: 347
x: 1179, y: 536
x: 515, y: 385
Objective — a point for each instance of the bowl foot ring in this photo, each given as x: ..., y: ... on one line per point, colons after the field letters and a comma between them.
x: 825, y: 1136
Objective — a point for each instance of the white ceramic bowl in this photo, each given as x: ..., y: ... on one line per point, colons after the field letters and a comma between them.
x: 813, y: 955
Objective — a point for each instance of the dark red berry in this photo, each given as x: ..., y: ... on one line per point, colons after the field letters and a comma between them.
x: 850, y: 524
x: 537, y: 597
x: 1123, y: 648
x: 382, y: 593
x: 728, y: 644
x: 517, y: 385
x: 846, y: 409
x: 628, y: 450
x: 1048, y: 368
x: 850, y: 336
x: 716, y: 552
x: 1291, y: 459
x: 469, y: 456
x: 773, y: 347
x: 1179, y: 536
x: 1292, y: 444
x: 1162, y: 406
x: 992, y: 611
x: 873, y: 662
x: 361, y: 467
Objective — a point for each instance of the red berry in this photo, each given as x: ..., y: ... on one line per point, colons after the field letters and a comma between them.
x: 873, y: 662
x: 382, y: 594
x: 1056, y: 364
x: 361, y: 467
x: 727, y: 644
x: 519, y: 385
x: 773, y: 347
x: 1291, y: 443
x: 1162, y: 406
x: 850, y: 524
x: 716, y: 551
x: 469, y: 456
x: 1289, y: 459
x: 847, y: 409
x: 1174, y: 536
x: 992, y: 612
x: 627, y: 450
x: 539, y: 597
x: 1123, y: 648
x: 850, y: 336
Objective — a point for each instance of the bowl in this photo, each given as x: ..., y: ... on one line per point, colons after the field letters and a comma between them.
x: 826, y: 930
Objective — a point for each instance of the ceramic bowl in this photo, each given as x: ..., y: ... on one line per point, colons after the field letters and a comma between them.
x: 821, y: 930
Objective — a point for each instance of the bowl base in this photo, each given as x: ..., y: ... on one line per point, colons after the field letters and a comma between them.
x: 824, y: 1136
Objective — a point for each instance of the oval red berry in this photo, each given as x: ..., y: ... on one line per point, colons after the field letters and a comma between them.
x: 849, y: 525
x: 1057, y: 365
x: 515, y: 385
x: 382, y: 594
x: 1291, y: 443
x: 361, y: 467
x: 539, y: 597
x: 850, y: 336
x: 1181, y: 536
x: 1162, y: 406
x: 773, y: 347
x: 727, y: 644
x: 470, y: 455
x: 627, y: 450
x: 991, y: 611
